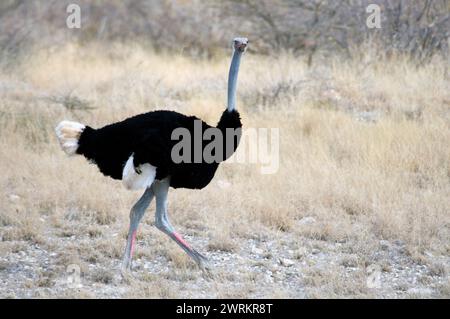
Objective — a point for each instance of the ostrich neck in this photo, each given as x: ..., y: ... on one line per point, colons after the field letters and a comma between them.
x: 232, y: 80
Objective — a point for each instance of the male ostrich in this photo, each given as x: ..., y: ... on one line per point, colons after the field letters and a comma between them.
x: 138, y: 151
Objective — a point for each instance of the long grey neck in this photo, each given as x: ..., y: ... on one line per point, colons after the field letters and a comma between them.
x: 232, y: 80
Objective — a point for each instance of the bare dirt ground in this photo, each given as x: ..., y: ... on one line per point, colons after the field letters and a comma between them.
x: 358, y: 207
x: 259, y: 268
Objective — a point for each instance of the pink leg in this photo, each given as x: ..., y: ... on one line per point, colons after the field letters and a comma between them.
x: 181, y: 240
x: 133, y: 241
x: 199, y: 258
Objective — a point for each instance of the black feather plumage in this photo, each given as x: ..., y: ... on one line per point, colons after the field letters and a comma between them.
x: 148, y: 137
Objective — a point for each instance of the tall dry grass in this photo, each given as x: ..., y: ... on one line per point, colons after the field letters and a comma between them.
x: 364, y: 149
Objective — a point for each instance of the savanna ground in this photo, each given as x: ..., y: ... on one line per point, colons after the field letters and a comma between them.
x: 358, y: 208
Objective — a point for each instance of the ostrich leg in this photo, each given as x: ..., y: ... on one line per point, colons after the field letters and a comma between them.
x: 136, y: 214
x: 160, y: 189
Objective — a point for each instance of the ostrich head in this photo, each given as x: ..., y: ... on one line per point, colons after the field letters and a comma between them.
x: 240, y: 44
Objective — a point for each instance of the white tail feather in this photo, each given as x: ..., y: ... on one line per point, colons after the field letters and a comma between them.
x: 68, y: 133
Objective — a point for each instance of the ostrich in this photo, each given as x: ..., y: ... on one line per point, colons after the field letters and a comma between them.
x: 137, y: 151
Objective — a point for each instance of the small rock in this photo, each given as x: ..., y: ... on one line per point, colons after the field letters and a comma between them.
x: 368, y: 116
x: 13, y: 197
x: 384, y: 244
x: 257, y: 251
x: 268, y: 278
x: 307, y: 221
x: 420, y: 291
x: 286, y: 262
x: 274, y: 268
x: 300, y: 253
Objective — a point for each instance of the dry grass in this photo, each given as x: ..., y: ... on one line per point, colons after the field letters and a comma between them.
x: 364, y: 150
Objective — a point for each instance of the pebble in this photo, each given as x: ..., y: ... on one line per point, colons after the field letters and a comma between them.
x: 286, y: 262
x: 420, y: 291
x: 14, y: 197
x: 384, y: 244
x: 257, y: 251
x: 307, y: 221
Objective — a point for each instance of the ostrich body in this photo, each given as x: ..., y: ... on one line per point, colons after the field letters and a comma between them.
x: 138, y: 151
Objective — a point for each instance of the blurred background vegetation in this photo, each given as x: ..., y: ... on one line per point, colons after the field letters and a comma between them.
x: 308, y: 28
